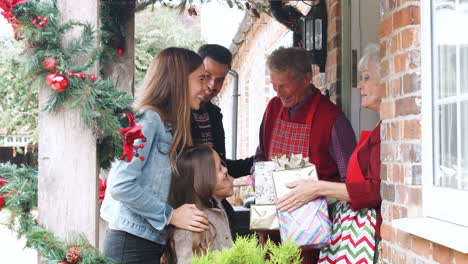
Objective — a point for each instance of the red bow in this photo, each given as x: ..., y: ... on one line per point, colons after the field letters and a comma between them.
x: 7, y: 6
x: 130, y: 134
x: 102, y: 190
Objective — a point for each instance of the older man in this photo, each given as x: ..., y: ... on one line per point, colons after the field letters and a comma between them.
x: 300, y: 120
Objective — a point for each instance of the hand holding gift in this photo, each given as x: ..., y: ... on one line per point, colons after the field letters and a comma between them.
x: 301, y: 192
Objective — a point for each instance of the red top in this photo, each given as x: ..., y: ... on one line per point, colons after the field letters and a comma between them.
x: 363, y: 177
x: 319, y: 140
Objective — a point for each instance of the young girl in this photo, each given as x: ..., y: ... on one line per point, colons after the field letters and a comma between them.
x: 203, y: 180
x: 135, y: 202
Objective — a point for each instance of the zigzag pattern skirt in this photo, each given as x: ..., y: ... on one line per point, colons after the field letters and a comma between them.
x: 353, y: 236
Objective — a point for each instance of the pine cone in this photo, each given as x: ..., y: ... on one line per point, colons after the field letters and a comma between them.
x: 73, y: 255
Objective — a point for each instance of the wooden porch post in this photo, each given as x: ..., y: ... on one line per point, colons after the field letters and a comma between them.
x: 68, y: 167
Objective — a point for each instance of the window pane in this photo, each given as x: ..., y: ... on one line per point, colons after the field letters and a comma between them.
x: 464, y: 144
x: 464, y: 68
x: 447, y: 74
x: 447, y: 166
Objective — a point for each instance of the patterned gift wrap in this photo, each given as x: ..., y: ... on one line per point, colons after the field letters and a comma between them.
x: 264, y: 188
x: 309, y: 226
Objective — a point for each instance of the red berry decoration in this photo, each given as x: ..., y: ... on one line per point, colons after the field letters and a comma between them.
x: 42, y: 24
x: 70, y: 74
x: 39, y: 18
x: 120, y: 51
x: 62, y: 262
x: 93, y: 78
x: 142, y: 158
x: 46, y: 19
x: 142, y: 146
x: 143, y: 139
x: 49, y: 63
x: 34, y: 22
x: 59, y: 83
x: 50, y: 78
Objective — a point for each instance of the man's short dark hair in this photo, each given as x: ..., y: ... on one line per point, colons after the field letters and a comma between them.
x: 217, y: 53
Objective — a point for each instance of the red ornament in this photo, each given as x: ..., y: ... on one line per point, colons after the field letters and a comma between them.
x: 34, y: 22
x: 142, y: 146
x: 39, y: 18
x: 59, y: 83
x: 42, y: 24
x: 142, y: 158
x: 62, y: 262
x: 120, y: 51
x: 93, y: 78
x: 2, y: 202
x: 46, y: 19
x: 49, y: 63
x: 70, y: 74
x: 50, y: 78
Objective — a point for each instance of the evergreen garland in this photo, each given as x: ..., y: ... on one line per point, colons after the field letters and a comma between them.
x: 20, y: 193
x: 101, y: 105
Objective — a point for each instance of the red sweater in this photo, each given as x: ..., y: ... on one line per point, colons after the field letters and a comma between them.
x: 366, y: 194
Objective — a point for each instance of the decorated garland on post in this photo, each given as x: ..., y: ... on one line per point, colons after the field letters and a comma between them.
x: 102, y: 106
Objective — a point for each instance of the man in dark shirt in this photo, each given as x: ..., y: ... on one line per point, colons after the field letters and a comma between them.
x: 207, y: 122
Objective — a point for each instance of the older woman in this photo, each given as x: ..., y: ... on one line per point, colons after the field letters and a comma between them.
x: 357, y: 217
x: 300, y: 120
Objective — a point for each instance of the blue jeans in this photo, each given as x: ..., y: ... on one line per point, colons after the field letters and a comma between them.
x: 125, y: 248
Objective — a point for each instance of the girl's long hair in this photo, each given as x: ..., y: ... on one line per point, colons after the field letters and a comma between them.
x: 193, y: 183
x: 165, y: 90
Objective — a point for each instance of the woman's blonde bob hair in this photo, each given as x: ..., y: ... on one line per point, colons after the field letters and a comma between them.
x: 165, y: 90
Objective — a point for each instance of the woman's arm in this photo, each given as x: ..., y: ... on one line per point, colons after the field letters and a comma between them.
x: 305, y: 191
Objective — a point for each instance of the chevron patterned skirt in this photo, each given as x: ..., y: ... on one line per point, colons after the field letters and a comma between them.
x: 353, y: 236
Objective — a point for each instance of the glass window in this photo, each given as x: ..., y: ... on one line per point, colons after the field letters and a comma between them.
x: 450, y: 93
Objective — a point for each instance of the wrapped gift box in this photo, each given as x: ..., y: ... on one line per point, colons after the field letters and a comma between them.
x: 264, y: 188
x: 283, y: 177
x: 263, y: 217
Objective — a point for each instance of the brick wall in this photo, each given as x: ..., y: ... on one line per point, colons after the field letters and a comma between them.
x: 258, y: 38
x: 401, y: 136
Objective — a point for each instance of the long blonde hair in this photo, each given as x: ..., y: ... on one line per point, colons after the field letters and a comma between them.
x: 165, y: 90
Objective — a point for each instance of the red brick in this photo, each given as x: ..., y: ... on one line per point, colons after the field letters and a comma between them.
x: 409, y: 38
x: 409, y: 152
x: 395, y: 87
x: 383, y: 49
x: 387, y: 110
x: 395, y: 130
x: 408, y: 106
x: 398, y: 173
x: 415, y: 196
x: 442, y: 254
x: 387, y: 191
x: 385, y: 68
x: 383, y: 171
x: 395, y: 44
x: 414, y: 59
x: 411, y: 83
x: 412, y: 129
x: 387, y: 152
x: 386, y: 27
x: 388, y: 233
x: 460, y: 258
x: 401, y: 195
x: 400, y: 63
x: 407, y: 16
x: 422, y: 247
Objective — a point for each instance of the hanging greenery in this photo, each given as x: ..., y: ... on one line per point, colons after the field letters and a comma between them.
x: 37, y: 24
x: 18, y: 194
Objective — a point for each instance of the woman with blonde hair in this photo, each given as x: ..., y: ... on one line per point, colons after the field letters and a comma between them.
x: 135, y: 204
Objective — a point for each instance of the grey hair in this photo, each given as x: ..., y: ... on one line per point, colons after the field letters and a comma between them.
x: 294, y: 60
x: 370, y: 56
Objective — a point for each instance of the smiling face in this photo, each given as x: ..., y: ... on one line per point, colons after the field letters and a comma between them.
x: 224, y: 182
x: 289, y: 88
x: 371, y: 90
x: 215, y: 73
x: 196, y: 82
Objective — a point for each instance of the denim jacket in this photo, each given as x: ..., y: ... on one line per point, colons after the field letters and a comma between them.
x: 137, y: 191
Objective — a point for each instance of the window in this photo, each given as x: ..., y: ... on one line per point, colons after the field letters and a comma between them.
x: 445, y: 110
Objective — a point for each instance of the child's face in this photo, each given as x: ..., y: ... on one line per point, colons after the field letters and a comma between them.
x: 224, y: 182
